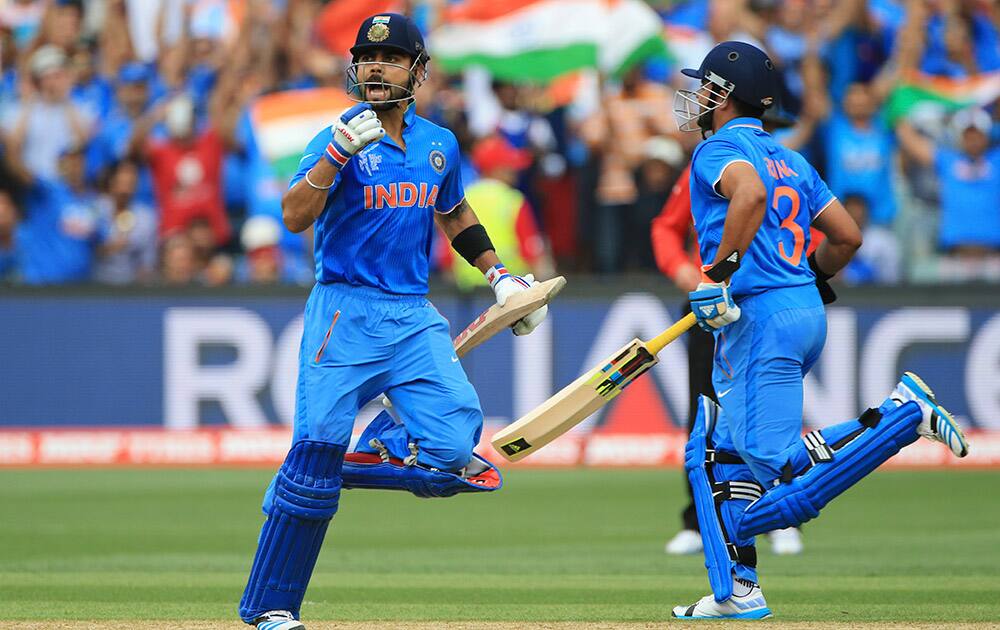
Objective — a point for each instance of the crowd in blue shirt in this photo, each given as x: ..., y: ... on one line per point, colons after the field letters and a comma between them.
x: 893, y: 101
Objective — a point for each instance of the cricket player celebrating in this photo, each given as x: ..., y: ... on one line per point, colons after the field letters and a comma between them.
x: 373, y: 184
x: 753, y: 202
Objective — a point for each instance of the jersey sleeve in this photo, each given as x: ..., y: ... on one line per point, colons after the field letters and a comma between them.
x: 313, y: 153
x: 820, y: 196
x: 451, y: 192
x: 711, y: 160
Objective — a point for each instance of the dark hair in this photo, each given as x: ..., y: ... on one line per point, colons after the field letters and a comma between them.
x: 744, y: 109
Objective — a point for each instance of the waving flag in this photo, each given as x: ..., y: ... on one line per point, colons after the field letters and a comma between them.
x: 542, y: 39
x: 952, y: 94
x: 285, y: 122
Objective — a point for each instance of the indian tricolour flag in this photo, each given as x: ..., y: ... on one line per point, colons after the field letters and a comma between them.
x: 952, y: 94
x: 541, y: 39
x: 285, y: 122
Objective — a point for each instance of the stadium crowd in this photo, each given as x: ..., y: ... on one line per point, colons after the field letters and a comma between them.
x: 128, y: 150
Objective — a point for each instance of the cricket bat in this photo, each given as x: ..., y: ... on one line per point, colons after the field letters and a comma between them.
x: 497, y: 318
x: 594, y: 389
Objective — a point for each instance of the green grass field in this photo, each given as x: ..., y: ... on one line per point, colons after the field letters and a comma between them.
x: 572, y: 546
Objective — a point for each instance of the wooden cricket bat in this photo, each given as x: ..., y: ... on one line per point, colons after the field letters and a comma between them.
x: 594, y: 389
x: 497, y: 318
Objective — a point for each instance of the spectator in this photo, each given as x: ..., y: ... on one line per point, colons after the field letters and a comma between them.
x: 969, y: 178
x: 961, y: 40
x: 186, y: 169
x: 8, y: 226
x: 264, y: 262
x: 178, y: 260
x: 663, y: 159
x: 63, y: 224
x: 505, y: 212
x: 23, y: 18
x: 111, y: 144
x: 859, y: 150
x: 47, y: 122
x: 616, y: 134
x: 129, y: 255
x: 877, y: 262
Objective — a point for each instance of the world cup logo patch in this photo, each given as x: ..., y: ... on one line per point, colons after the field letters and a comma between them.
x: 437, y: 161
x: 378, y: 33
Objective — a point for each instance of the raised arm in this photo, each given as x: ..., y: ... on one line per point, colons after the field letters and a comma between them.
x: 915, y: 145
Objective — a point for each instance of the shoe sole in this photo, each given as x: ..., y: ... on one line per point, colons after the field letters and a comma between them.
x: 946, y: 429
x: 763, y: 613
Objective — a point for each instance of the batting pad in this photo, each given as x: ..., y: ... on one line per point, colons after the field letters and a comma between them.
x: 721, y: 492
x: 306, y: 495
x: 828, y: 462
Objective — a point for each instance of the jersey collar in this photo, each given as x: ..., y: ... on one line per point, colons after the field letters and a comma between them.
x: 744, y: 121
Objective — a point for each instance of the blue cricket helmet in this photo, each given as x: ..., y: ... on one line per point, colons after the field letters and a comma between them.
x: 743, y: 70
x: 391, y: 30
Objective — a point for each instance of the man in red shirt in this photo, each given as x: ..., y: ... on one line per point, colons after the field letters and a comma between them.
x: 186, y: 168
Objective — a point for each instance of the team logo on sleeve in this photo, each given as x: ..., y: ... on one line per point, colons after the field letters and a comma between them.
x: 437, y: 161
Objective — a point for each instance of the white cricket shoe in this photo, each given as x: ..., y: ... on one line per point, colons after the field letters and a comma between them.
x: 937, y: 424
x: 277, y: 620
x: 684, y: 543
x: 786, y: 542
x: 748, y: 606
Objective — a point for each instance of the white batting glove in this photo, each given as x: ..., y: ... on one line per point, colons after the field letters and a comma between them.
x: 356, y: 128
x: 504, y: 285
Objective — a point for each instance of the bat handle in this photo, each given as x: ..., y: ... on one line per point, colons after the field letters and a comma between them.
x: 660, y: 341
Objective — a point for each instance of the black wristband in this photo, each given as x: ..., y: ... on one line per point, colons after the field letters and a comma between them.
x: 471, y: 242
x: 822, y: 275
x: 826, y: 292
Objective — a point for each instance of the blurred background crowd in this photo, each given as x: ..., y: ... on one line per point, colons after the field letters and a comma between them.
x: 137, y: 144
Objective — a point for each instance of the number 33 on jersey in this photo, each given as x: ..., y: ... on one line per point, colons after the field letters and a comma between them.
x: 796, y: 195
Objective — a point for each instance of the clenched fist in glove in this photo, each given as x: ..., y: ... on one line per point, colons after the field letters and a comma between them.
x: 356, y: 128
x: 504, y: 285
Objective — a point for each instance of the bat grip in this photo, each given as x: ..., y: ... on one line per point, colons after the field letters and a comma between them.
x: 660, y: 341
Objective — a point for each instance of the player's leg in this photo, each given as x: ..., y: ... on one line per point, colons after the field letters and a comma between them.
x: 827, y: 462
x: 760, y: 360
x: 427, y: 448
x: 723, y: 486
x: 339, y: 366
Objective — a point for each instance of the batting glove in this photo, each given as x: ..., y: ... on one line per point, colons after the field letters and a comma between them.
x: 504, y: 285
x: 356, y: 128
x: 713, y: 306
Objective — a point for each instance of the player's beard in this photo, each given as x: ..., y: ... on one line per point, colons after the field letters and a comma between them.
x: 387, y: 101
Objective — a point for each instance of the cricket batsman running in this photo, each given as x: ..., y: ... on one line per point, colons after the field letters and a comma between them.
x: 753, y: 201
x: 374, y: 184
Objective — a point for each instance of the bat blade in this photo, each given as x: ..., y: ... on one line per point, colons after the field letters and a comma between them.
x: 574, y: 403
x: 497, y: 318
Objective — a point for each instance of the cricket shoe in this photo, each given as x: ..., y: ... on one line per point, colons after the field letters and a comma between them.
x: 277, y: 620
x: 937, y: 424
x: 684, y: 543
x: 748, y: 606
x: 786, y: 542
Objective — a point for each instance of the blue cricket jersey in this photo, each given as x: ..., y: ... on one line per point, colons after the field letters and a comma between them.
x: 378, y: 223
x: 795, y: 197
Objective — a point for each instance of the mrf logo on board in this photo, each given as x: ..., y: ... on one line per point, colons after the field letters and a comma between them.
x: 400, y: 195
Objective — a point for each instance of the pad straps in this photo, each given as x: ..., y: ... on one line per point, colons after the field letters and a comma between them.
x: 732, y: 491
